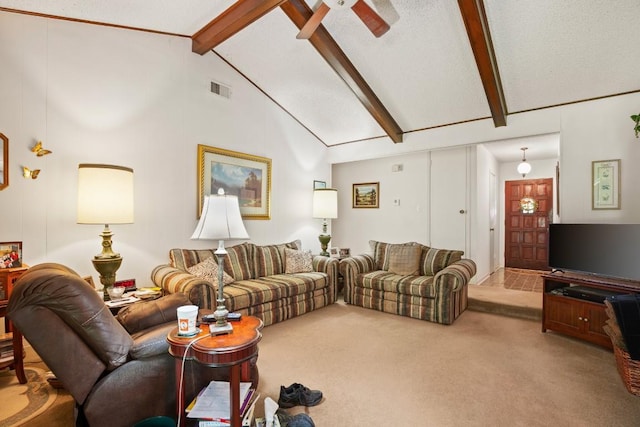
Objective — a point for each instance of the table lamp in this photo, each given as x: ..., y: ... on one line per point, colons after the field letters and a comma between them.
x: 105, y: 196
x: 220, y: 220
x: 325, y: 206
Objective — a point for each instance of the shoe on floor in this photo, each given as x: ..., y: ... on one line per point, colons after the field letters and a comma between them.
x: 298, y: 420
x: 298, y: 395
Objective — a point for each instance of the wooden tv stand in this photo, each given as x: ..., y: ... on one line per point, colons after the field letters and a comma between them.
x: 577, y: 317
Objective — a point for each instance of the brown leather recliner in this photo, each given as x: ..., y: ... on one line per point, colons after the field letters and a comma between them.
x: 117, y: 376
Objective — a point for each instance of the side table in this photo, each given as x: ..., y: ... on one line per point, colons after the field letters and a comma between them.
x: 233, y: 350
x: 8, y: 276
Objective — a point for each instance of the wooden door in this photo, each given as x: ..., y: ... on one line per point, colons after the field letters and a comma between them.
x: 529, y: 210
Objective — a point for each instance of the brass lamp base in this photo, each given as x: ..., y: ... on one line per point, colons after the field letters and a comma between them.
x: 107, y: 268
x: 324, y: 243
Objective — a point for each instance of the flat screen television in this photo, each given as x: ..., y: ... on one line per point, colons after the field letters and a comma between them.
x: 611, y: 250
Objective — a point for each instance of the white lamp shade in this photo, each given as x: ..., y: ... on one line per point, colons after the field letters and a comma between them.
x: 105, y: 194
x: 524, y: 168
x: 220, y: 219
x: 325, y: 203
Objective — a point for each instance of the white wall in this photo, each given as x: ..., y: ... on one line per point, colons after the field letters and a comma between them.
x: 407, y: 222
x: 599, y: 130
x: 95, y: 94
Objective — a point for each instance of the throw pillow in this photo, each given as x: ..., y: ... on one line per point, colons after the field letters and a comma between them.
x: 404, y: 260
x: 208, y: 269
x: 380, y: 252
x: 297, y: 261
x: 435, y: 260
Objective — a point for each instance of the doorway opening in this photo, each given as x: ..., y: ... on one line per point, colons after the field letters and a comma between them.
x: 528, y: 213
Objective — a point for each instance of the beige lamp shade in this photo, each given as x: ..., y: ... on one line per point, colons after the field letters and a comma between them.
x: 105, y: 194
x: 325, y: 203
x: 220, y: 219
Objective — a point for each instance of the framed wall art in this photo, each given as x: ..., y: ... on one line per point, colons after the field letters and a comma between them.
x: 605, y: 183
x: 319, y: 185
x: 243, y: 175
x: 366, y: 195
x: 4, y: 161
x: 10, y: 254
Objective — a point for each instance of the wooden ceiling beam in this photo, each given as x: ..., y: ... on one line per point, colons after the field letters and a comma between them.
x: 475, y: 21
x: 299, y: 13
x: 234, y: 19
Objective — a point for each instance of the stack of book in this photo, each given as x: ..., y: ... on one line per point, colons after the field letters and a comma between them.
x: 212, y: 405
x: 6, y: 348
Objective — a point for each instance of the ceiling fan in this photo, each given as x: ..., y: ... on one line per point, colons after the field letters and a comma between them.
x: 371, y: 19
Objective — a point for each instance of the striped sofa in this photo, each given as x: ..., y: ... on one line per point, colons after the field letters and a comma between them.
x: 259, y: 285
x: 409, y: 279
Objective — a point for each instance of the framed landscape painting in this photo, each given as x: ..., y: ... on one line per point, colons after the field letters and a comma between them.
x: 239, y: 174
x: 366, y: 195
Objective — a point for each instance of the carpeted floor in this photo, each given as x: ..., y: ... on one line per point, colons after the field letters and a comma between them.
x: 23, y: 403
x: 484, y: 370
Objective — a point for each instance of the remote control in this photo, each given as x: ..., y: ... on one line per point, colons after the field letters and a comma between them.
x: 234, y: 316
x: 208, y: 318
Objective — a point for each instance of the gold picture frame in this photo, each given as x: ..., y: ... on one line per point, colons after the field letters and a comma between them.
x: 605, y: 184
x: 366, y: 195
x: 243, y: 175
x: 4, y: 162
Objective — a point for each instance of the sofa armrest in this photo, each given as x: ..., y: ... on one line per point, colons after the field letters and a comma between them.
x: 329, y: 266
x: 172, y: 280
x: 351, y: 267
x: 455, y: 276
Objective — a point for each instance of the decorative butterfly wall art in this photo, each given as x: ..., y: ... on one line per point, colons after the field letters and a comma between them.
x: 39, y: 150
x: 28, y: 173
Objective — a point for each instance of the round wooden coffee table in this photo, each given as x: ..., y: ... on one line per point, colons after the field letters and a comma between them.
x: 233, y: 350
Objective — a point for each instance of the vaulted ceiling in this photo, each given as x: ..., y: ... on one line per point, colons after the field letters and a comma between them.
x: 441, y: 63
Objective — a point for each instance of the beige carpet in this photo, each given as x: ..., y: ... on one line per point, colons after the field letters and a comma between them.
x: 484, y: 370
x: 507, y: 302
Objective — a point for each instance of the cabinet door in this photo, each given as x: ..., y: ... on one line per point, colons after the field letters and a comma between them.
x: 563, y: 314
x: 596, y: 318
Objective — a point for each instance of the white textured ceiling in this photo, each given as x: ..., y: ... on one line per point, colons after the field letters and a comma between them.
x: 548, y: 52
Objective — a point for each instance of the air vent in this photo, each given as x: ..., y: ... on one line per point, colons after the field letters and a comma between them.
x: 220, y: 89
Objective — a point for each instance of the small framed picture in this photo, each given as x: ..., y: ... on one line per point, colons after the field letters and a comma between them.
x: 89, y: 280
x: 366, y: 195
x: 318, y: 185
x: 339, y: 252
x: 605, y: 184
x: 10, y: 254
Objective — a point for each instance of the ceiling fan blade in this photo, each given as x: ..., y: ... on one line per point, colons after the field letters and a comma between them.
x: 314, y: 22
x: 371, y: 19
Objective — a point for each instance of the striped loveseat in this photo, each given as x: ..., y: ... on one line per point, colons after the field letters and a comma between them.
x: 256, y: 282
x: 409, y: 279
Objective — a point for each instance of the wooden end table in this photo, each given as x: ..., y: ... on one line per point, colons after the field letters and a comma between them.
x: 234, y: 350
x: 8, y: 277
